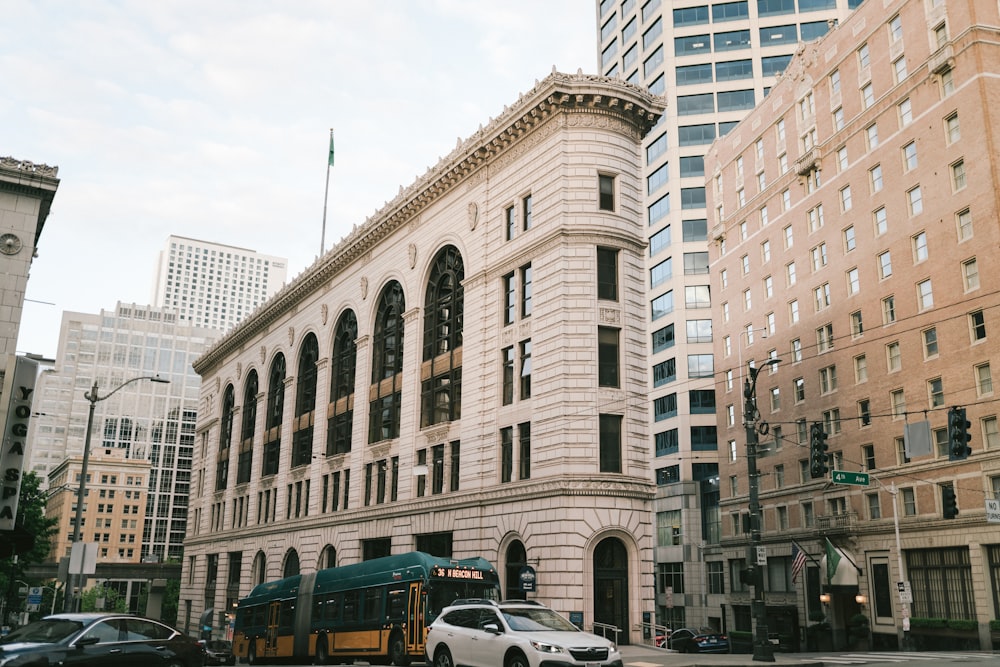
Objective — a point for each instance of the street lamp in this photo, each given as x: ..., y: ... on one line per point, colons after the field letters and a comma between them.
x: 762, y: 649
x: 94, y: 398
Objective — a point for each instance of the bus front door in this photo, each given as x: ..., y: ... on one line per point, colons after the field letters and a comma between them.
x: 415, y: 620
x: 271, y: 634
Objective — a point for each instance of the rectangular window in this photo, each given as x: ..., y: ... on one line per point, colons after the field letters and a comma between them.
x: 507, y: 360
x: 894, y: 359
x: 925, y: 294
x: 510, y: 299
x: 524, y: 451
x: 860, y: 369
x: 919, y: 247
x: 606, y: 188
x: 964, y: 223
x: 510, y: 217
x: 526, y: 289
x: 977, y: 325
x: 884, y: 265
x: 984, y: 380
x: 607, y: 357
x: 610, y: 443
x: 525, y: 351
x: 970, y: 274
x: 888, y: 310
x: 930, y: 342
x: 526, y: 212
x: 958, y: 175
x: 607, y: 274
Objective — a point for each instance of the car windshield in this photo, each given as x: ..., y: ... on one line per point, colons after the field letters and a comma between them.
x: 44, y: 632
x: 537, y: 620
x: 218, y: 645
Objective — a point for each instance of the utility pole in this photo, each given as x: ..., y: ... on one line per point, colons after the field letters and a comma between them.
x: 762, y: 649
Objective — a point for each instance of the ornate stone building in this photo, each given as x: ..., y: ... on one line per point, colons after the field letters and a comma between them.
x: 464, y: 374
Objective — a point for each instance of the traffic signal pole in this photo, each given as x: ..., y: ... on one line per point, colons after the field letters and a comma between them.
x: 762, y: 649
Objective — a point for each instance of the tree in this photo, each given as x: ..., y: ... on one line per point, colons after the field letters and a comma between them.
x: 113, y: 601
x: 29, y: 542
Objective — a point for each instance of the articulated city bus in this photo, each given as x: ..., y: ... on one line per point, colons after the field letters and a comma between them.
x: 376, y: 610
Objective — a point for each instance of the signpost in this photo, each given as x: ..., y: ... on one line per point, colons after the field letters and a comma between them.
x: 853, y: 478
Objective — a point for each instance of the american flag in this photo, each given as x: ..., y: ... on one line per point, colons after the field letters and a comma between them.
x: 798, y: 561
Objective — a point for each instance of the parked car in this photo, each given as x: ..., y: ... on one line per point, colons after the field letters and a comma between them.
x: 219, y: 652
x: 484, y: 633
x: 704, y: 640
x: 101, y: 640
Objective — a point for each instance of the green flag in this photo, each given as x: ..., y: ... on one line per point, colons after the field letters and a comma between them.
x: 331, y: 148
x: 832, y: 560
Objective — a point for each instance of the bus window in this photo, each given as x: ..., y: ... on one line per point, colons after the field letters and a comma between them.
x: 351, y: 606
x: 373, y: 604
x: 396, y: 609
x: 286, y: 617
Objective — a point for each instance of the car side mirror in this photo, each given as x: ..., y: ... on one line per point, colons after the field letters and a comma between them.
x: 491, y: 628
x: 87, y: 641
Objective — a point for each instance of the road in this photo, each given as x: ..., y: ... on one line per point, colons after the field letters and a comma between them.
x: 645, y: 656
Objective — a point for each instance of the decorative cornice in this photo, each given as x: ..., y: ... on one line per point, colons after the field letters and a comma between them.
x: 622, y: 106
x: 35, y: 169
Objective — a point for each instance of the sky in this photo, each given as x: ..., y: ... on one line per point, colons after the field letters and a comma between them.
x: 212, y: 120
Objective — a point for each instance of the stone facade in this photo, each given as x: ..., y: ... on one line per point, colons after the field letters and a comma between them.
x: 488, y: 429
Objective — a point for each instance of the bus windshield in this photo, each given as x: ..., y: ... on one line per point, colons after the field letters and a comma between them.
x: 440, y: 594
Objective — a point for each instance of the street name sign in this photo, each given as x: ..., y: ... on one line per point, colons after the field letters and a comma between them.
x: 854, y: 478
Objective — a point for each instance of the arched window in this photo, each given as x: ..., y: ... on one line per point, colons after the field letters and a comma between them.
x: 291, y: 567
x: 305, y: 402
x: 275, y: 413
x: 340, y: 423
x: 249, y: 425
x: 225, y: 438
x: 258, y: 574
x: 517, y: 559
x: 441, y: 372
x: 327, y: 559
x: 387, y: 365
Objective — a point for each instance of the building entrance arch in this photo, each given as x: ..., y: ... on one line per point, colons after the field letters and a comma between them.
x: 611, y: 588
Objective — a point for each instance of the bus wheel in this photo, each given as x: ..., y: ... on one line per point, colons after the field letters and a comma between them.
x: 321, y: 650
x: 516, y: 659
x: 443, y: 658
x: 397, y: 650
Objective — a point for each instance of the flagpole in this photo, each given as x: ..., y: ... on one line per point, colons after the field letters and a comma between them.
x: 326, y: 193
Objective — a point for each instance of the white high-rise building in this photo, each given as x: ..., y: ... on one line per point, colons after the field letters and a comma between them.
x: 714, y: 62
x: 214, y: 285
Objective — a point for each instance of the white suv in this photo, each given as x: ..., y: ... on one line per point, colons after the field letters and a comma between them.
x: 484, y: 633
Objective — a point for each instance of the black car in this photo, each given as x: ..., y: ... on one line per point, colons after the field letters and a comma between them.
x: 103, y: 640
x: 219, y: 652
x: 705, y: 640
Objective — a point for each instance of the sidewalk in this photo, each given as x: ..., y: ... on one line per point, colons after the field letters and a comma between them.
x: 641, y: 654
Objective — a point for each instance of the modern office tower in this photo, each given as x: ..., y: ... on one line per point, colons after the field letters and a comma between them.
x: 146, y: 421
x: 26, y: 193
x: 852, y: 215
x: 212, y: 285
x: 713, y: 61
x: 461, y: 375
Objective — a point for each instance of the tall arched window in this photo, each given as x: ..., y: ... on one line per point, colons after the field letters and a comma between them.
x: 275, y: 414
x: 328, y: 558
x: 305, y: 402
x: 258, y: 574
x: 441, y: 372
x: 291, y: 567
x: 249, y: 425
x: 225, y: 438
x: 387, y: 365
x: 340, y: 412
x: 517, y: 560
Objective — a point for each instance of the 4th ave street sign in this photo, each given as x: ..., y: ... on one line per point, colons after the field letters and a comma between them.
x: 855, y: 478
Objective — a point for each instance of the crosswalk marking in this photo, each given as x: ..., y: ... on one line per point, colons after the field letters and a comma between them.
x: 894, y: 657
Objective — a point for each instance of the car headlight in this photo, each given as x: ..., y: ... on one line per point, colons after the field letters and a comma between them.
x: 543, y: 647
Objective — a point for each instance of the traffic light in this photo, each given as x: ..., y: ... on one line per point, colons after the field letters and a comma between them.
x: 949, y: 502
x: 958, y: 435
x: 817, y: 451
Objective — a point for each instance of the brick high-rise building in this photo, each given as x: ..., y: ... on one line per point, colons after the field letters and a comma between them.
x: 852, y: 215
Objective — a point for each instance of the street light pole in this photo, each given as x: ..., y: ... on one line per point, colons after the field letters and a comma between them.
x: 73, y: 579
x: 762, y: 649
